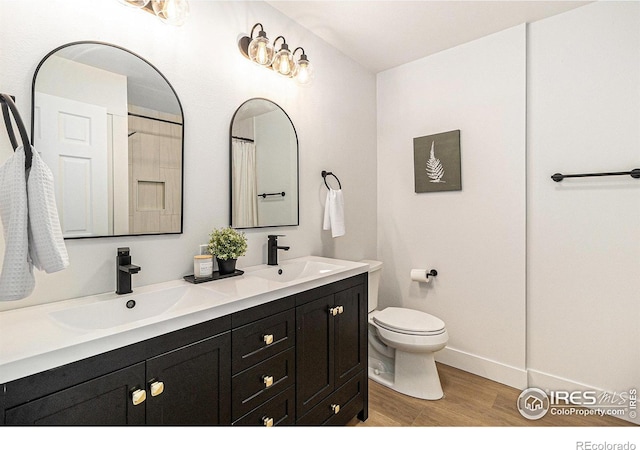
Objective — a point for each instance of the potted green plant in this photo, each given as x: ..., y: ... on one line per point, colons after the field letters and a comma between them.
x: 227, y: 244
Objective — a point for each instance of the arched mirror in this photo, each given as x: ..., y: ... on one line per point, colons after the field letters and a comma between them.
x: 110, y: 127
x: 264, y: 166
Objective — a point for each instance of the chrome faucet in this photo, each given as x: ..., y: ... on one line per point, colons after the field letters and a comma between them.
x: 272, y: 249
x: 124, y: 269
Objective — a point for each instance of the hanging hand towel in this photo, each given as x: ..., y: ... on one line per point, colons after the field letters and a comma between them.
x: 46, y: 245
x: 16, y: 278
x: 334, y: 213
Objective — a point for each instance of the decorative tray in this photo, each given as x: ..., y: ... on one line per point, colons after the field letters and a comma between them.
x: 216, y: 276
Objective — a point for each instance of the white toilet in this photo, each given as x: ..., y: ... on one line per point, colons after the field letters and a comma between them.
x: 402, y: 343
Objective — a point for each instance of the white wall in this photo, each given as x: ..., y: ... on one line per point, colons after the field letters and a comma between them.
x: 582, y: 258
x: 475, y: 238
x: 335, y: 120
x: 583, y: 249
x: 90, y: 84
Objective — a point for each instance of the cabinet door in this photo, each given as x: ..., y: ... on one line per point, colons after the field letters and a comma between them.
x: 196, y: 384
x: 350, y: 334
x: 102, y: 401
x: 314, y: 353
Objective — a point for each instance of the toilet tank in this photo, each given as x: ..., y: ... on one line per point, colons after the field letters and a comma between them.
x: 375, y: 270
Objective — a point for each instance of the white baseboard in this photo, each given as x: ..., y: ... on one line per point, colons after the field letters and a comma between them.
x: 516, y: 377
x: 486, y: 368
x: 548, y: 382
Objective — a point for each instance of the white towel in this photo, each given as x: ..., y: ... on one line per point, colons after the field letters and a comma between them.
x: 16, y: 278
x: 46, y: 244
x: 334, y: 213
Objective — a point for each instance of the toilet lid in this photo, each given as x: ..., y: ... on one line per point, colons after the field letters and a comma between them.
x: 408, y: 321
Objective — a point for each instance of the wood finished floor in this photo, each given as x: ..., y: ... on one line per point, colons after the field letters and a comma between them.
x: 469, y: 401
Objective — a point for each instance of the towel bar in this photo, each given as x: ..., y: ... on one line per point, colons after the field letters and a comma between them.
x: 557, y: 177
x: 265, y: 195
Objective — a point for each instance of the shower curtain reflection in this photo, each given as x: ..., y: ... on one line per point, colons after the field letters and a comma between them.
x: 245, y: 209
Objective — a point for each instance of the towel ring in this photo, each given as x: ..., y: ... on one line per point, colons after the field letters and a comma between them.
x: 325, y: 174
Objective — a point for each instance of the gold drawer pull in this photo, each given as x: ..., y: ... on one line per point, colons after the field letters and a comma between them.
x: 335, y: 408
x: 267, y: 380
x: 138, y: 396
x: 156, y: 388
x: 267, y: 421
x: 268, y: 339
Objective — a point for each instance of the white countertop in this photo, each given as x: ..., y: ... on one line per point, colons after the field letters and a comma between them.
x: 32, y: 340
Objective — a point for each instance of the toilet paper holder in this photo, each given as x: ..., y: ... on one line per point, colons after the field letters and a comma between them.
x: 432, y: 273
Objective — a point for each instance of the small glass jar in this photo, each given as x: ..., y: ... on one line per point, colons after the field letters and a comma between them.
x: 203, y: 266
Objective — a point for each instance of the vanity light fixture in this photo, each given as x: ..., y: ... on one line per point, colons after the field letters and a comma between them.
x: 303, y: 71
x: 171, y: 12
x: 259, y: 50
x: 283, y: 61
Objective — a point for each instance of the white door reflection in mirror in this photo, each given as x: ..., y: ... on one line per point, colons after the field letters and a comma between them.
x: 71, y: 137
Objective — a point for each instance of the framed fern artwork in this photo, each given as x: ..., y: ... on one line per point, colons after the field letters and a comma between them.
x: 436, y: 162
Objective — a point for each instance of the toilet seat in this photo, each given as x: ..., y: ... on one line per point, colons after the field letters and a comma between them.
x: 409, y: 321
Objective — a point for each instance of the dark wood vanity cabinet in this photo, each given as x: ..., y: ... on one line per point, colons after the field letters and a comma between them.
x: 331, y: 353
x: 187, y: 385
x: 297, y: 360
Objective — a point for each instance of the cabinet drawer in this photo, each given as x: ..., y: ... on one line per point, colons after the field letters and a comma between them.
x: 251, y: 387
x: 350, y: 399
x: 280, y: 410
x: 262, y: 339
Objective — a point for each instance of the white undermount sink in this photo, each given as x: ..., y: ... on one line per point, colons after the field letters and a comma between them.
x: 109, y: 313
x: 295, y: 270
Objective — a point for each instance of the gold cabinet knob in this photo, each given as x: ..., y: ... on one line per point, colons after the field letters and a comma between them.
x: 156, y: 388
x: 268, y: 339
x: 340, y: 309
x: 138, y: 396
x: 267, y: 421
x: 267, y: 380
x: 333, y: 311
x: 335, y: 408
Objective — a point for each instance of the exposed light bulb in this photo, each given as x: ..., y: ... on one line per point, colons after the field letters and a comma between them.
x: 260, y: 51
x: 283, y: 65
x: 284, y: 61
x: 261, y: 55
x: 172, y: 12
x: 304, y: 72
